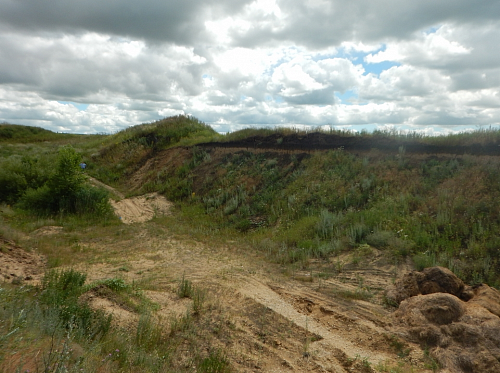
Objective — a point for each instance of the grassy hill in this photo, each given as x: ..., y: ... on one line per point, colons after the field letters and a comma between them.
x: 300, y: 201
x: 305, y: 194
x: 433, y: 200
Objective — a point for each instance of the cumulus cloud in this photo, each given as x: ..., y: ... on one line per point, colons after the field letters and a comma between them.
x: 151, y: 20
x: 250, y: 62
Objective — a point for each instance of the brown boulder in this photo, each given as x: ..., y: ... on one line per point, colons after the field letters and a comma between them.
x: 440, y: 280
x: 488, y: 298
x: 429, y: 281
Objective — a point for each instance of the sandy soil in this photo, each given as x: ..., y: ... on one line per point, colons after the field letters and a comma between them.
x: 325, y: 331
x: 142, y: 208
x: 18, y: 265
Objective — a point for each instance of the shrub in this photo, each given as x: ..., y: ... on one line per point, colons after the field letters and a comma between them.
x: 66, y: 192
x: 68, y: 177
x: 327, y: 223
x: 12, y: 185
x: 17, y: 174
x: 60, y: 291
x: 379, y: 239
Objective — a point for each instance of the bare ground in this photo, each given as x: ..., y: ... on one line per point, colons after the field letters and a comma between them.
x: 283, y: 322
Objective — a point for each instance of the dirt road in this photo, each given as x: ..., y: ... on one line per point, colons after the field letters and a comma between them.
x: 312, y: 320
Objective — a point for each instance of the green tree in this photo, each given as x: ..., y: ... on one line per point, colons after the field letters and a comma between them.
x: 66, y: 190
x: 68, y: 178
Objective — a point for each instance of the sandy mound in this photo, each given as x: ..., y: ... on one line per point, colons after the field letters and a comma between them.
x: 430, y: 280
x: 16, y: 264
x: 141, y: 209
x: 463, y: 335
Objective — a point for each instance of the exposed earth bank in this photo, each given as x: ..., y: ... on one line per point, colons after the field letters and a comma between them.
x: 336, y: 321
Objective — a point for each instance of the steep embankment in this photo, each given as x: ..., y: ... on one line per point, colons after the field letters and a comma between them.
x: 315, y: 141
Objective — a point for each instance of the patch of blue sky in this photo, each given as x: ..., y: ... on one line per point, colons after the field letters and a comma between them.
x: 377, y: 68
x: 432, y: 30
x: 348, y: 97
x: 359, y: 58
x: 365, y: 127
x: 80, y: 107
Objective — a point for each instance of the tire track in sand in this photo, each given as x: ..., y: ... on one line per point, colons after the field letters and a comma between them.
x: 264, y: 295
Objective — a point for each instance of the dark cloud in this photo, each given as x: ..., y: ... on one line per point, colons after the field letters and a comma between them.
x: 176, y: 22
x: 236, y: 63
x: 323, y: 23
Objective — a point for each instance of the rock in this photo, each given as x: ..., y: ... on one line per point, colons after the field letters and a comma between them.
x: 429, y: 281
x: 462, y: 336
x: 488, y: 298
x: 440, y: 280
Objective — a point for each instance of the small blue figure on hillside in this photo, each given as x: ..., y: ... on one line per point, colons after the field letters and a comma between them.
x: 83, y: 165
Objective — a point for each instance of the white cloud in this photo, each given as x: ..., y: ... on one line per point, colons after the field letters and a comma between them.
x: 436, y: 47
x: 237, y: 63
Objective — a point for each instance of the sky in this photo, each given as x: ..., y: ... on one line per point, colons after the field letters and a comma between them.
x: 92, y: 66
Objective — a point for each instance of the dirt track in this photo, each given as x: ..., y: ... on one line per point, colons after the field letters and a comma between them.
x: 345, y: 333
x: 282, y: 323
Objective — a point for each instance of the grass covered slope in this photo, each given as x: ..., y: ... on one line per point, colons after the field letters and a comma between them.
x: 12, y: 133
x: 435, y: 208
x: 300, y: 195
x: 122, y: 153
x: 322, y: 203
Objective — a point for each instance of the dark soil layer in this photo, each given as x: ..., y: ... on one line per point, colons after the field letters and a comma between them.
x: 322, y: 141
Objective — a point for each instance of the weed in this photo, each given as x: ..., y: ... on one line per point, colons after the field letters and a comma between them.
x: 185, y: 289
x: 215, y: 362
x: 199, y: 296
x: 430, y: 362
x: 149, y: 332
x: 401, y: 348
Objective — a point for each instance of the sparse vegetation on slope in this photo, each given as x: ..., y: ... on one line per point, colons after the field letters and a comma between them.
x: 317, y: 210
x: 435, y: 209
x: 129, y: 149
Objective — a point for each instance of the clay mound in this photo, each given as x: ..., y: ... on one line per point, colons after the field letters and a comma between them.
x: 429, y: 281
x: 17, y: 265
x: 487, y: 297
x: 459, y: 324
x: 461, y: 336
x: 438, y: 309
x: 141, y: 209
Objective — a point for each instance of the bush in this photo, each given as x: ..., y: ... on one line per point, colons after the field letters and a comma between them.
x: 60, y: 291
x: 17, y: 174
x: 66, y: 192
x: 68, y: 178
x: 379, y: 239
x: 40, y: 201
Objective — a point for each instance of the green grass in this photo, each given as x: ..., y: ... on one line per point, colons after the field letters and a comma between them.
x: 294, y: 209
x: 437, y: 210
x: 57, y: 331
